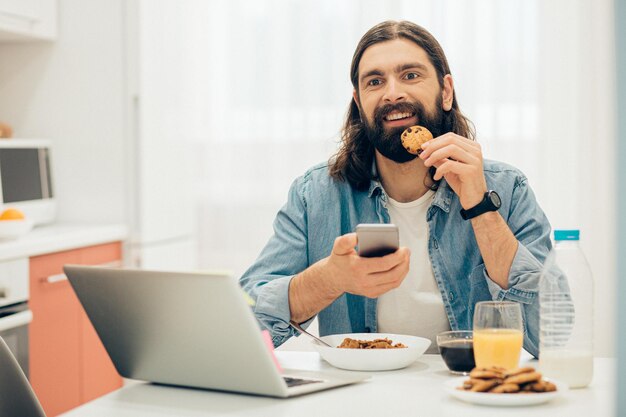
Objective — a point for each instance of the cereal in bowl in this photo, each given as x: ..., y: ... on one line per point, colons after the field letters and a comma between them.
x: 385, y: 343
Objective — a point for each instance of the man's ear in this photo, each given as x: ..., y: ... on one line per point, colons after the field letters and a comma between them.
x: 447, y: 93
x: 355, y: 97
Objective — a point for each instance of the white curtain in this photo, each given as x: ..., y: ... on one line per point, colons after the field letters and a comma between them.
x: 267, y: 86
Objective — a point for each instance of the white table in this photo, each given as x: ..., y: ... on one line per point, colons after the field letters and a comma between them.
x: 413, y: 391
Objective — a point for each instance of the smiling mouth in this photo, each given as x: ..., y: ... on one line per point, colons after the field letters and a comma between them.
x: 392, y: 117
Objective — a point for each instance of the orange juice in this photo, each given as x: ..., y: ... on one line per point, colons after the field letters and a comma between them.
x: 497, y: 347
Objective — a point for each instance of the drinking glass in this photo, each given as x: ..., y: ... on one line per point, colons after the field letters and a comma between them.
x: 498, y: 334
x: 457, y: 350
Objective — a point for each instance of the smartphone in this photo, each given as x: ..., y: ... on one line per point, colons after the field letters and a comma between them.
x: 377, y: 239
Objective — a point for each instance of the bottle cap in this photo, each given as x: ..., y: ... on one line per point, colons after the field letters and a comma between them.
x: 567, y: 235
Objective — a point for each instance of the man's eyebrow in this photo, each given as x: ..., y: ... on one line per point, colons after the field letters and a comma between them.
x: 411, y: 65
x: 370, y: 73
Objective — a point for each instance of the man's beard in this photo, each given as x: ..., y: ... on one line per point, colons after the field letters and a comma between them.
x: 388, y: 142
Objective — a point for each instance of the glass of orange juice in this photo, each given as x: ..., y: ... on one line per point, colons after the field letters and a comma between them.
x: 498, y: 334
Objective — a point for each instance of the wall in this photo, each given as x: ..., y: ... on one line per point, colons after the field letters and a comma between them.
x: 576, y: 181
x: 70, y: 91
x: 620, y: 22
x: 596, y: 191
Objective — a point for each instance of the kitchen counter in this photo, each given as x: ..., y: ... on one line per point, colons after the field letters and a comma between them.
x: 59, y: 237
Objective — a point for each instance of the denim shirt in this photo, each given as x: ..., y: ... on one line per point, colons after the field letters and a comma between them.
x: 320, y: 208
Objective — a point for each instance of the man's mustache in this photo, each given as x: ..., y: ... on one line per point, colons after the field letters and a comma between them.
x: 404, y: 107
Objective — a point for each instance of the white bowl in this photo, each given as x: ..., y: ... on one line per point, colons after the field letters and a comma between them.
x: 12, y: 229
x: 372, y: 359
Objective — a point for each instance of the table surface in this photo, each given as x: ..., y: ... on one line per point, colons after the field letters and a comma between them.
x: 415, y: 390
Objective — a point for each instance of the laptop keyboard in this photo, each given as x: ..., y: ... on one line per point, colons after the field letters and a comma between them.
x: 294, y: 382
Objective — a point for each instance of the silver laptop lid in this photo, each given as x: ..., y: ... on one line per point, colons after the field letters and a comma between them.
x: 17, y: 398
x: 188, y: 329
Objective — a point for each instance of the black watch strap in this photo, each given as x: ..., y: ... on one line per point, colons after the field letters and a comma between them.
x: 490, y: 202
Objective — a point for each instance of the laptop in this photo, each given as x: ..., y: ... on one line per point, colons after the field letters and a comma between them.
x: 187, y: 329
x: 17, y: 398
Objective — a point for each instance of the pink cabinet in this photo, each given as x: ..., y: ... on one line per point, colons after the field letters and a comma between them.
x: 68, y: 364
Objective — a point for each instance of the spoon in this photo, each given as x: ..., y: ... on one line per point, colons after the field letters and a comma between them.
x: 301, y: 330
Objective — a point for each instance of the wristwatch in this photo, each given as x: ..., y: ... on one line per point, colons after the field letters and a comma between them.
x: 491, y: 202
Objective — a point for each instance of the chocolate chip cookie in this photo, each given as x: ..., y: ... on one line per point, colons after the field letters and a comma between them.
x: 414, y: 137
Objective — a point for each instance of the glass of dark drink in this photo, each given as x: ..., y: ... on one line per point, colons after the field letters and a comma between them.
x: 457, y: 350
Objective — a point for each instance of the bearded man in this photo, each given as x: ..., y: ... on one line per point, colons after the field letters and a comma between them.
x: 470, y: 229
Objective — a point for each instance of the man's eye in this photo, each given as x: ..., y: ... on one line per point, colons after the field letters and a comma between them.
x: 374, y: 82
x: 412, y: 75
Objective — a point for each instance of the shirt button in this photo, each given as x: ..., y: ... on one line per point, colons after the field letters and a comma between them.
x: 451, y: 295
x: 435, y: 244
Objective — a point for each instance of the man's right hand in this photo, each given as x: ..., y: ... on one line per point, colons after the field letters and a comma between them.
x: 371, y: 277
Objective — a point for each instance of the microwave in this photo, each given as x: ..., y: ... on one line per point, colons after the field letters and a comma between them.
x: 26, y: 178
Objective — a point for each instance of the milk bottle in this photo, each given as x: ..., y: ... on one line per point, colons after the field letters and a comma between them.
x: 566, y: 316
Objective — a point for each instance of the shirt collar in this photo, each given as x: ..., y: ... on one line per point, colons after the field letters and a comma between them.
x: 443, y: 195
x: 375, y: 185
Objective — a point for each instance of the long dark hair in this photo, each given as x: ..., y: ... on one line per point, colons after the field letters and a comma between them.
x: 353, y: 161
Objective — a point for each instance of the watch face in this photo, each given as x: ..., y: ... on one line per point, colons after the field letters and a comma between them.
x: 495, y: 199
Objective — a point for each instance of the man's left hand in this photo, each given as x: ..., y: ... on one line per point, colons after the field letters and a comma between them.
x: 460, y: 161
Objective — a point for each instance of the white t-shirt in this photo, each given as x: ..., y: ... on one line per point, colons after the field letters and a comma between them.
x: 416, y: 306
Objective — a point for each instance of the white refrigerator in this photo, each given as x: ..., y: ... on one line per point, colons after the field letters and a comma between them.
x: 161, y: 203
x: 163, y: 230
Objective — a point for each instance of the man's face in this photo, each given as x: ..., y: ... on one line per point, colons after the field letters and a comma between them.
x: 398, y: 88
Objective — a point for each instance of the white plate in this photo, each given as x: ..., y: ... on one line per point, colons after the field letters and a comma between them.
x: 372, y: 359
x: 12, y: 229
x: 502, y: 400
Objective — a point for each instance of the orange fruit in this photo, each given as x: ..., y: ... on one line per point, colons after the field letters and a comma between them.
x: 12, y: 214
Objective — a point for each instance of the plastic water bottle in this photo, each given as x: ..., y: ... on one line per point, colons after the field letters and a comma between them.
x: 566, y: 316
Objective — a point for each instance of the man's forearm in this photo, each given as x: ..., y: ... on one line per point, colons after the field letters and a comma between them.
x: 311, y: 291
x: 497, y: 245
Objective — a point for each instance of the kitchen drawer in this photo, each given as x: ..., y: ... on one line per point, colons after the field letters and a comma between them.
x: 109, y: 254
x: 46, y: 268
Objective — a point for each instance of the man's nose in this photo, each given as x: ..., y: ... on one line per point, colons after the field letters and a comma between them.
x: 394, y: 92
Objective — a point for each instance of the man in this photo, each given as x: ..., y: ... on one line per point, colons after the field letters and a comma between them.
x: 459, y: 243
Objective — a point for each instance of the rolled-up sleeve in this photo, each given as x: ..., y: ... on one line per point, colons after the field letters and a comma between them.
x: 285, y: 255
x: 523, y: 278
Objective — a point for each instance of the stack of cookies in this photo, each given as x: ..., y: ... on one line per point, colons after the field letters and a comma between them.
x: 502, y: 381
